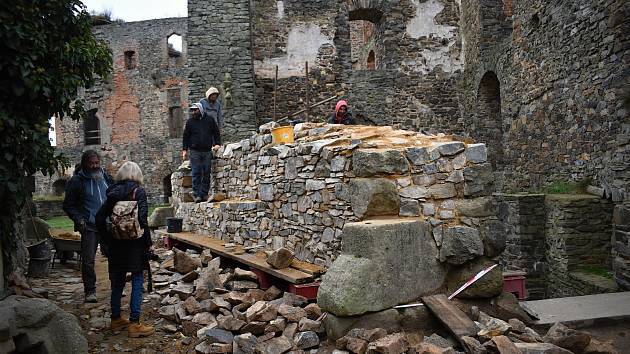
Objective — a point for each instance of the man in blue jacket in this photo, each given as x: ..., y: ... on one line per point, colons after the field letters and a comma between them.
x: 85, y: 194
x: 201, y: 134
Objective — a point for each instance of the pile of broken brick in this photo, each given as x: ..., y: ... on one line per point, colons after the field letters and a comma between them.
x: 227, y: 313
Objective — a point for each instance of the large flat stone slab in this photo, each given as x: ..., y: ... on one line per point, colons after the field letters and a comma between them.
x: 384, y: 263
x: 582, y: 308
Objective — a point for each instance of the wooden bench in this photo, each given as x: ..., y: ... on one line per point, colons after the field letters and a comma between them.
x: 300, y: 276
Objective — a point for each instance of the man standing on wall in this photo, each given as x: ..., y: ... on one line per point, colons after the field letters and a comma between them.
x: 85, y: 194
x: 200, y: 135
x: 211, y: 106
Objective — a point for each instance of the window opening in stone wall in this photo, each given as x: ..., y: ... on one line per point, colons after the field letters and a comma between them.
x: 496, y: 22
x: 92, y: 128
x: 175, y: 122
x: 130, y: 60
x: 361, y: 43
x: 489, y: 125
x: 174, y: 43
x: 167, y: 189
x: 371, y: 61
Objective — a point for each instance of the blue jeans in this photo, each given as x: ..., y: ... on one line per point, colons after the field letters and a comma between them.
x: 137, y: 287
x: 200, y: 165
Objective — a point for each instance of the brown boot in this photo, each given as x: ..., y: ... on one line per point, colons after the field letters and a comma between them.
x: 137, y: 330
x: 119, y: 324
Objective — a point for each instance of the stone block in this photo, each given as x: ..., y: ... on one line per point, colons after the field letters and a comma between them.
x: 490, y: 285
x: 383, y: 263
x: 370, y: 163
x: 450, y: 148
x: 477, y: 207
x: 476, y: 153
x: 373, y: 197
x: 494, y: 237
x: 479, y: 180
x: 159, y: 215
x: 460, y: 244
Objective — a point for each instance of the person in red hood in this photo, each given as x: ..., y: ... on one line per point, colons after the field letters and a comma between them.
x: 341, y: 115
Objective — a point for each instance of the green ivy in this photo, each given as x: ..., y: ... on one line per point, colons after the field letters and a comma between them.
x: 47, y: 53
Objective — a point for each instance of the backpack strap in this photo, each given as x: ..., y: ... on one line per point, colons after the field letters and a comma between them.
x: 133, y: 195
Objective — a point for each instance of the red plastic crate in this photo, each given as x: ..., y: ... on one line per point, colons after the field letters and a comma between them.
x: 514, y: 284
x: 308, y: 290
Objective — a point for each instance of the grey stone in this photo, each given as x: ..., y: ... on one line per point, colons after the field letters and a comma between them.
x: 167, y: 312
x: 276, y: 345
x: 409, y: 207
x: 315, y: 185
x: 540, y: 348
x: 477, y: 207
x: 414, y: 192
x: 476, y: 153
x: 377, y: 256
x: 494, y: 237
x: 42, y: 321
x: 230, y: 323
x: 478, y: 180
x: 373, y: 197
x: 418, y: 155
x: 306, y: 324
x: 204, y: 319
x: 291, y: 313
x: 306, y: 340
x: 266, y: 192
x: 184, y: 263
x: 567, y: 338
x: 369, y: 163
x: 244, y: 343
x: 460, y: 244
x: 490, y: 285
x: 159, y: 215
x: 450, y: 148
x: 261, y: 311
x: 241, y: 274
x: 217, y: 335
x: 442, y: 191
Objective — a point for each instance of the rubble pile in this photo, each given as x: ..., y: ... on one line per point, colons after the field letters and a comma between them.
x: 227, y: 311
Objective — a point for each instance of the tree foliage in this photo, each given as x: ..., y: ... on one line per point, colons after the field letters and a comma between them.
x: 47, y: 54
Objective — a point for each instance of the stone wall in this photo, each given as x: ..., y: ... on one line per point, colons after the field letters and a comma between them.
x: 543, y: 84
x: 47, y: 209
x: 220, y: 44
x: 139, y: 112
x: 558, y: 240
x: 523, y: 217
x: 621, y: 245
x: 301, y: 195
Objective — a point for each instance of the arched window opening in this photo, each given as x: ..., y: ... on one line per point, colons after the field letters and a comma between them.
x: 174, y: 43
x: 489, y: 123
x: 371, y: 61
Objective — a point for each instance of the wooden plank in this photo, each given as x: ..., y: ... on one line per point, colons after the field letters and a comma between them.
x: 216, y: 246
x: 452, y: 317
x: 307, y: 267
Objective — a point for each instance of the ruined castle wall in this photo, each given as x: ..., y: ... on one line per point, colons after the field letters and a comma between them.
x: 544, y: 86
x: 220, y: 43
x: 301, y: 195
x: 140, y: 109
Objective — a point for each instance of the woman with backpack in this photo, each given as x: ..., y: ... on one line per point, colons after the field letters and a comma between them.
x: 126, y: 241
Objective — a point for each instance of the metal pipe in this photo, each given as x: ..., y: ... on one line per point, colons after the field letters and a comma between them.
x: 275, y: 92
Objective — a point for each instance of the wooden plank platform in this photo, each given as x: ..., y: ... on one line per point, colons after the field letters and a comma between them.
x: 291, y: 275
x: 451, y: 316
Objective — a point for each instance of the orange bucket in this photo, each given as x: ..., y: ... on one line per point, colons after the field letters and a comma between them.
x: 282, y: 135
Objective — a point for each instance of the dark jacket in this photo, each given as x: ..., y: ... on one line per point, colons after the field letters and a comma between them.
x: 348, y: 119
x: 81, y: 186
x: 125, y: 255
x: 213, y: 110
x: 201, y: 134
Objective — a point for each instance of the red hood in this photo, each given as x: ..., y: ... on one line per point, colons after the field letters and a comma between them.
x: 339, y: 105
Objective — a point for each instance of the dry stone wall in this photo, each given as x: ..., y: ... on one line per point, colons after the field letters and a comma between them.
x: 621, y: 245
x: 302, y: 195
x: 559, y: 241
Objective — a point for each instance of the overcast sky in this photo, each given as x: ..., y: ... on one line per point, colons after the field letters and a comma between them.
x: 138, y: 10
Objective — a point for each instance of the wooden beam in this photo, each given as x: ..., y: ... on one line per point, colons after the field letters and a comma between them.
x: 450, y: 316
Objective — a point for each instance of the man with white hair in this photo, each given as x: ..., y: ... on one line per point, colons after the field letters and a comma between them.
x: 212, y: 107
x: 201, y: 134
